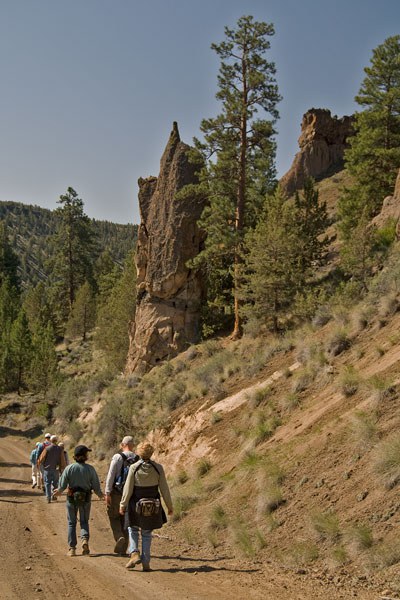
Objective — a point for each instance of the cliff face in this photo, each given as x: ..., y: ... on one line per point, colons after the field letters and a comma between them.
x: 169, y: 293
x: 322, y: 142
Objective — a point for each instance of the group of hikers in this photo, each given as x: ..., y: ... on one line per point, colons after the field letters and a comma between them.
x: 132, y: 493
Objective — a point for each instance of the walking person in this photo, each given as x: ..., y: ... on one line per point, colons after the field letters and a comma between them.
x: 36, y: 473
x: 66, y: 457
x: 141, y: 501
x: 42, y: 445
x: 53, y: 462
x: 115, y: 481
x: 79, y: 479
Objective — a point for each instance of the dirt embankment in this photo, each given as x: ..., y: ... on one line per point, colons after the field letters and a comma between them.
x: 34, y: 562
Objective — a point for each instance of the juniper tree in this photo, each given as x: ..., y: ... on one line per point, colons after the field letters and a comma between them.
x: 373, y: 158
x: 239, y: 150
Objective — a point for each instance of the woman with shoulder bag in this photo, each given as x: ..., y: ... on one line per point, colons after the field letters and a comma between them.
x: 141, y: 504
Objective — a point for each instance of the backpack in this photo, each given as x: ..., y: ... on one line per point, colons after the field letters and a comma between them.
x: 127, y: 461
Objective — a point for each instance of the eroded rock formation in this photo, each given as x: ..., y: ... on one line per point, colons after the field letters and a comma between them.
x: 322, y: 142
x: 390, y: 209
x: 169, y: 293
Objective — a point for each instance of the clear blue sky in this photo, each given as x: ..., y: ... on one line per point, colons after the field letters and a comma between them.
x: 90, y: 88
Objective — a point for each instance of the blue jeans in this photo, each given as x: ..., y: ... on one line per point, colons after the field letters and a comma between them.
x: 50, y: 478
x: 72, y: 517
x: 134, y: 542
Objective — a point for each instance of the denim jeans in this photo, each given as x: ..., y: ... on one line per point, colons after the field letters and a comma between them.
x: 50, y: 478
x: 72, y: 517
x: 134, y: 542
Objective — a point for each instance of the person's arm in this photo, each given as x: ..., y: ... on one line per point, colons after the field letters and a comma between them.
x: 128, y: 489
x: 115, y: 467
x: 42, y: 457
x: 95, y: 483
x: 62, y: 461
x: 164, y: 489
x: 62, y: 483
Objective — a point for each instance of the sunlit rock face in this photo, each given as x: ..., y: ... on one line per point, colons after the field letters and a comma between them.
x: 169, y: 292
x: 322, y: 143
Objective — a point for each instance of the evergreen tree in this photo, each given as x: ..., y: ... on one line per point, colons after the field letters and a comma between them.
x: 312, y: 222
x: 238, y: 150
x: 75, y: 254
x: 37, y: 307
x: 357, y: 254
x: 21, y: 351
x: 8, y: 259
x: 373, y: 158
x: 82, y: 317
x: 272, y: 272
x: 44, y: 366
x: 9, y: 309
x: 115, y: 316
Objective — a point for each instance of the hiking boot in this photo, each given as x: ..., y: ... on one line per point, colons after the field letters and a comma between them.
x: 134, y: 560
x: 48, y: 500
x: 72, y: 552
x: 85, y: 548
x: 120, y: 546
x: 146, y: 567
x: 33, y: 485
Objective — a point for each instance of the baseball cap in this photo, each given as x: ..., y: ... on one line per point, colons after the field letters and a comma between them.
x: 47, y: 435
x: 53, y: 438
x: 81, y: 450
x: 128, y: 439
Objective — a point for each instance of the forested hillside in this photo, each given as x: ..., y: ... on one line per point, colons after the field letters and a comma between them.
x: 30, y: 230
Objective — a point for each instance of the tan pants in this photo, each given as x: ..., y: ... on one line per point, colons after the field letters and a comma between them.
x: 37, y: 479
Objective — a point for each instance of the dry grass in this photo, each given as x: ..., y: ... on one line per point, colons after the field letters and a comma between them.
x: 386, y: 460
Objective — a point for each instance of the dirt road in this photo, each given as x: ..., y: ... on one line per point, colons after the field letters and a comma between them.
x: 34, y: 564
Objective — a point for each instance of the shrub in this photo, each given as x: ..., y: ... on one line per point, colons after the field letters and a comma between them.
x: 364, y: 430
x: 359, y: 538
x: 382, y: 388
x: 203, y: 467
x: 338, y: 343
x: 218, y: 518
x: 182, y: 477
x: 216, y: 417
x: 349, y: 381
x: 182, y: 505
x: 326, y: 525
x: 302, y: 553
x: 386, y: 460
x: 242, y: 539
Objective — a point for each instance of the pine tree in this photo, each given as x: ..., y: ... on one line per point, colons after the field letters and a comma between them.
x: 238, y: 149
x: 272, y: 272
x: 9, y: 309
x: 75, y: 255
x: 21, y: 351
x: 8, y: 259
x: 82, y: 317
x: 373, y: 158
x: 44, y: 365
x: 115, y: 315
x: 312, y: 222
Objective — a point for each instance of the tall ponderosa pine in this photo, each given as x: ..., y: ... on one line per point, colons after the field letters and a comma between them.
x: 239, y: 150
x: 272, y: 271
x: 76, y: 252
x: 373, y: 158
x: 44, y: 365
x: 21, y: 351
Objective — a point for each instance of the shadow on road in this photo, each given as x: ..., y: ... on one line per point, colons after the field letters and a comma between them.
x: 204, y: 569
x: 18, y: 493
x: 193, y: 559
x: 29, y: 433
x: 23, y: 481
x: 10, y: 464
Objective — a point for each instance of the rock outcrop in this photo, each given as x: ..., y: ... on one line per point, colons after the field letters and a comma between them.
x: 169, y: 292
x: 322, y: 142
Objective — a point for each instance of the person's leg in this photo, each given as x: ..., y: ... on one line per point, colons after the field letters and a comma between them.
x: 146, y: 546
x: 71, y: 518
x: 34, y: 482
x: 135, y: 559
x: 47, y: 484
x: 117, y: 524
x: 84, y: 515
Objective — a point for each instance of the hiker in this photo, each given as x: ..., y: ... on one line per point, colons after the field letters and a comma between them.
x: 36, y: 473
x: 53, y: 462
x: 46, y: 442
x: 79, y: 479
x: 66, y: 458
x: 115, y: 481
x: 141, y: 501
